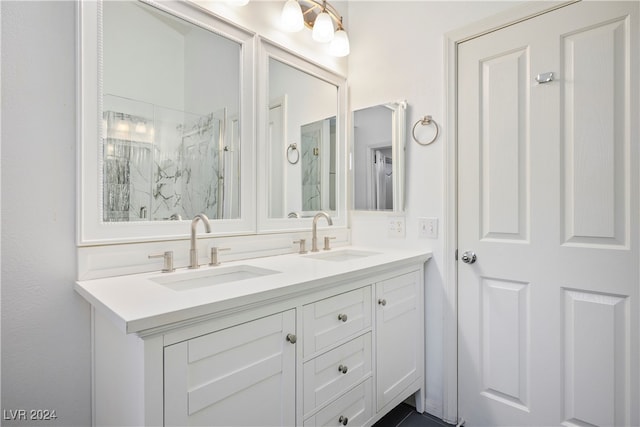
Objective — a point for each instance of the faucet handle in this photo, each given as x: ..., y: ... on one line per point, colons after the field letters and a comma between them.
x: 303, y: 246
x: 214, y: 255
x: 168, y: 261
x: 326, y: 243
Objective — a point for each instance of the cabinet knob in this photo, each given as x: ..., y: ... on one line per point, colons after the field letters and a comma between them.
x: 292, y: 338
x: 382, y: 302
x: 343, y: 369
x: 343, y: 420
x: 342, y: 317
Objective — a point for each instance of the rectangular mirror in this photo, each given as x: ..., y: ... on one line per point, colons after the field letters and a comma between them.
x: 169, y: 89
x: 173, y: 135
x: 301, y: 141
x: 379, y: 156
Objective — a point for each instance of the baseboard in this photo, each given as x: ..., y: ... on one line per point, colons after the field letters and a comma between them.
x: 433, y: 407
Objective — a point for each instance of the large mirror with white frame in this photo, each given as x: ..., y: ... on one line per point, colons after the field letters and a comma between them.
x: 166, y: 122
x: 301, y: 142
x: 378, y: 152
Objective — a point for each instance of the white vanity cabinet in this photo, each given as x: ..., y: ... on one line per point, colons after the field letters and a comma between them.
x: 339, y: 350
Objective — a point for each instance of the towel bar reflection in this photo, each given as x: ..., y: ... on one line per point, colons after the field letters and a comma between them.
x: 292, y: 150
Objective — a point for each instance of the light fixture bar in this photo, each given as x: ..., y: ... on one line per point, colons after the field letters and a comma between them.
x: 309, y: 6
x: 322, y: 18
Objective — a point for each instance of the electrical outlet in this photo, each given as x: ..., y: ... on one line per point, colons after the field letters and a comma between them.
x: 396, y: 226
x: 428, y: 228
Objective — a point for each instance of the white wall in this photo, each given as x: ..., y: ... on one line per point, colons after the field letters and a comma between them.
x: 401, y: 57
x: 46, y: 349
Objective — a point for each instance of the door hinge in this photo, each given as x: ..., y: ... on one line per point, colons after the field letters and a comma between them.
x: 456, y: 254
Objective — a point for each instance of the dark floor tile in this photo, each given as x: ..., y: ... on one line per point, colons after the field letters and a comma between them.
x: 395, y: 416
x: 405, y: 415
x: 422, y: 420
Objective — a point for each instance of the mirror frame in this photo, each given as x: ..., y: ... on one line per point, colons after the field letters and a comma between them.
x: 91, y: 230
x: 398, y: 153
x: 269, y: 50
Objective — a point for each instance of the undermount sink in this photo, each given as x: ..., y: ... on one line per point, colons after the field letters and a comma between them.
x: 342, y: 255
x: 211, y: 277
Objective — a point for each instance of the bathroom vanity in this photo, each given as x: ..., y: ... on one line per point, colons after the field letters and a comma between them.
x: 330, y: 338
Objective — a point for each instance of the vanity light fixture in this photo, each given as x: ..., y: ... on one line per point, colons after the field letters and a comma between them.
x: 320, y: 17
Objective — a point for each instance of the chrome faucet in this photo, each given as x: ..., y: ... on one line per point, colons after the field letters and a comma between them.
x: 193, y: 253
x: 314, y: 229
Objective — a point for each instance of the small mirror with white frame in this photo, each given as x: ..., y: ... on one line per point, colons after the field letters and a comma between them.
x: 301, y: 142
x: 378, y: 150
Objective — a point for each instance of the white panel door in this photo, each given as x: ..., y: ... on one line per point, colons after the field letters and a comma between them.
x: 548, y: 202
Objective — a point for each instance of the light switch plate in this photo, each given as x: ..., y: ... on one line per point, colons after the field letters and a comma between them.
x: 428, y: 228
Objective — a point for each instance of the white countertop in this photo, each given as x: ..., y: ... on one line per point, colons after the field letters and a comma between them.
x: 137, y: 303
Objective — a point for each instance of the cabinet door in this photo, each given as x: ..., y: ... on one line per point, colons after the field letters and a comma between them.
x: 399, y: 335
x: 240, y: 376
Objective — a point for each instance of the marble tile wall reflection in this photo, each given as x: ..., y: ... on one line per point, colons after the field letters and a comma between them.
x: 311, y: 135
x: 200, y: 167
x: 161, y: 168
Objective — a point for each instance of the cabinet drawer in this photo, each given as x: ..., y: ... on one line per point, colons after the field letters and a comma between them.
x: 353, y: 409
x: 334, y: 319
x: 332, y: 373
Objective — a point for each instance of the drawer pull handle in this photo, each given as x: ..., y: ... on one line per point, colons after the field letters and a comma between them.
x: 342, y: 317
x: 343, y: 420
x: 292, y: 338
x: 382, y: 302
x: 343, y: 369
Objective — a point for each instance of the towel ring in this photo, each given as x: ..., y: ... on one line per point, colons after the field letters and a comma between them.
x: 293, y: 148
x: 425, y: 121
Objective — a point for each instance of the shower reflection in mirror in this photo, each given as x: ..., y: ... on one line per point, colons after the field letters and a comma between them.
x: 318, y: 165
x: 170, y: 140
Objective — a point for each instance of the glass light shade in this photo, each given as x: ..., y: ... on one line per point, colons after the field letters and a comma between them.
x: 340, y: 44
x: 122, y: 126
x: 323, y: 28
x: 291, y: 17
x: 141, y: 127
